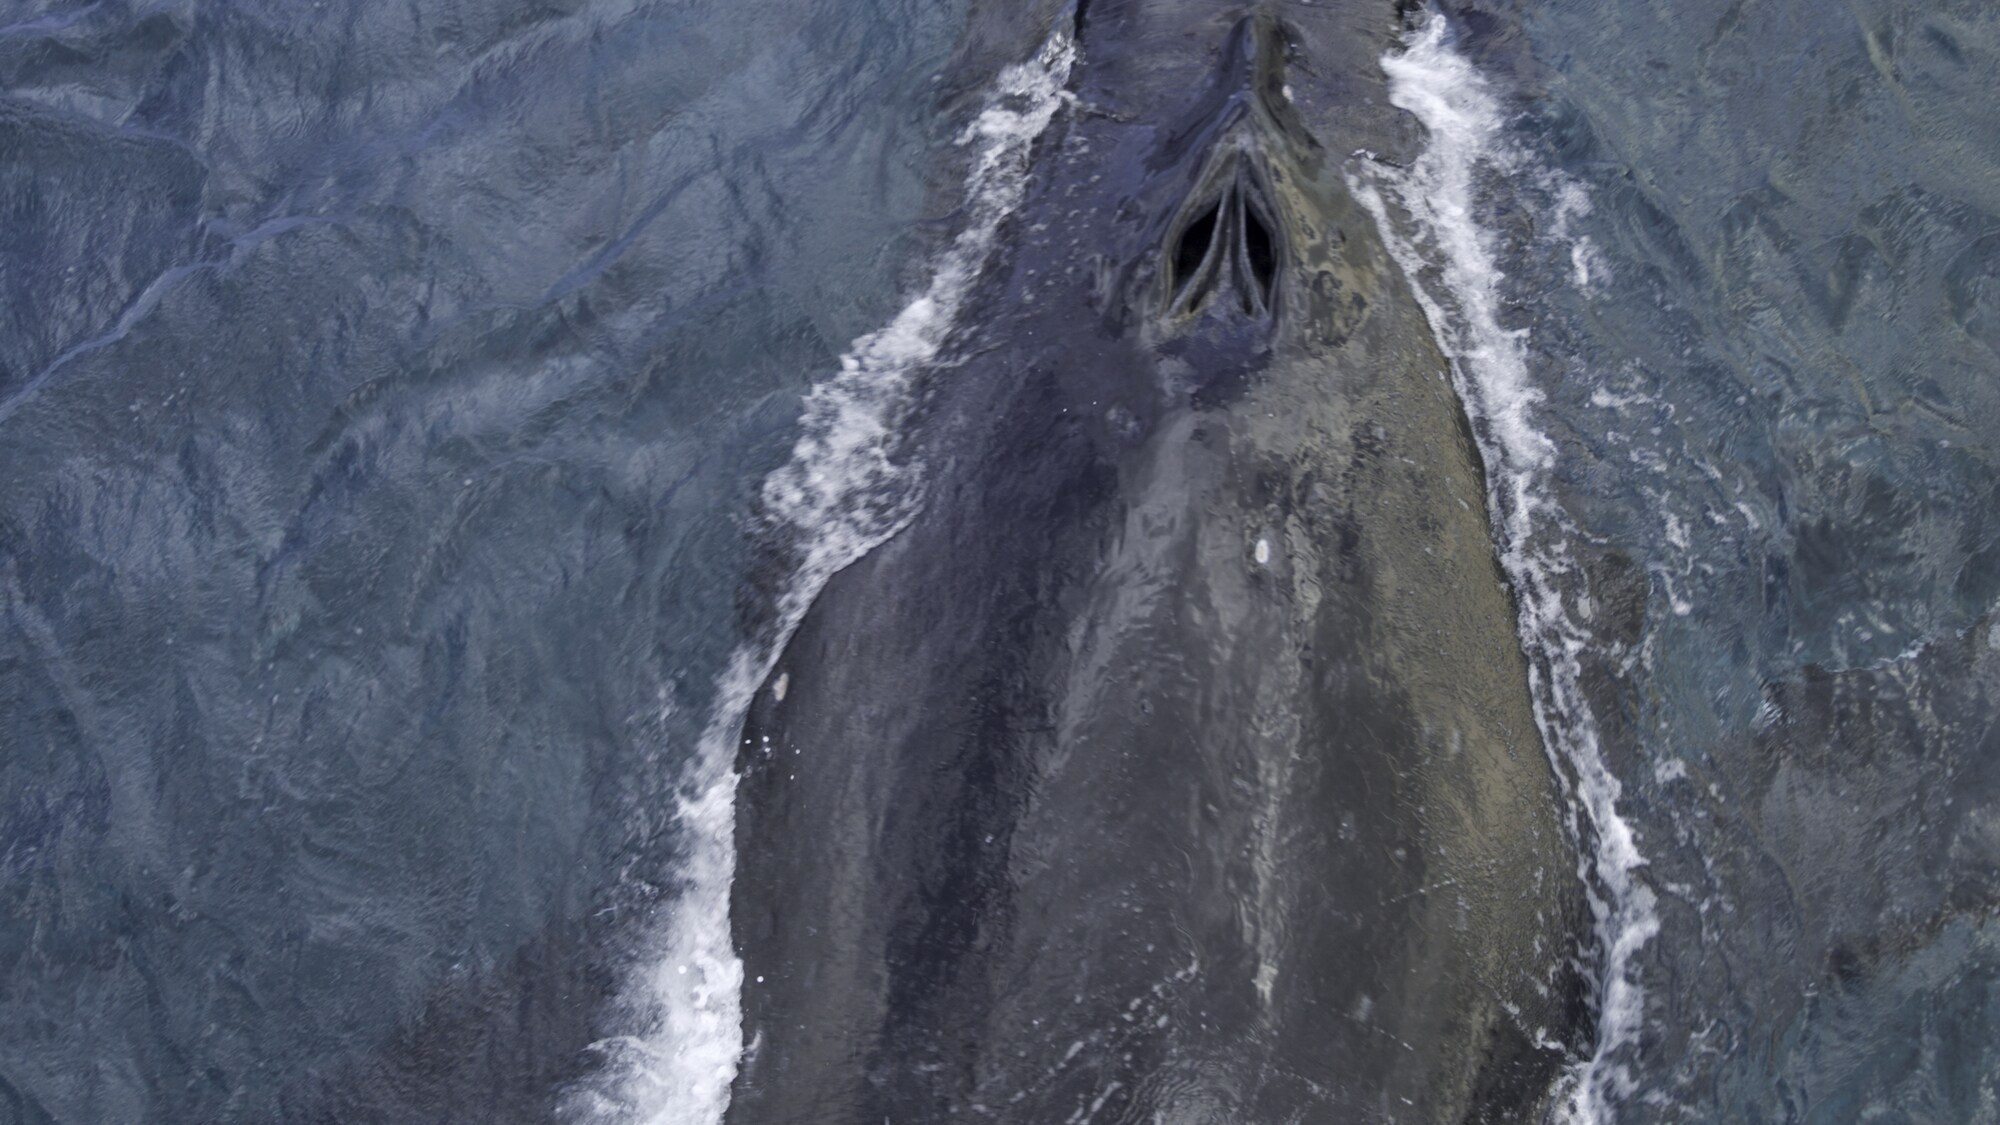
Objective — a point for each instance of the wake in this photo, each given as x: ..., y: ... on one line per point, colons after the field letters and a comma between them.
x: 839, y: 497
x: 1449, y: 259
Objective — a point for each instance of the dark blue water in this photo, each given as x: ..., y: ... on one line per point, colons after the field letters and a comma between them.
x: 1778, y: 398
x: 382, y: 393
x: 387, y: 395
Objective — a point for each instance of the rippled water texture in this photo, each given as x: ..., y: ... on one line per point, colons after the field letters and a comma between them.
x: 1756, y: 248
x: 382, y: 393
x: 397, y: 402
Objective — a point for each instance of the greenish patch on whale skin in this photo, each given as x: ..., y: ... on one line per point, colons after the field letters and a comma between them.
x: 1177, y: 760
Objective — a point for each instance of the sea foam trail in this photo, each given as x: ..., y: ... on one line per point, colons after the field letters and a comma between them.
x: 1451, y: 264
x: 839, y: 496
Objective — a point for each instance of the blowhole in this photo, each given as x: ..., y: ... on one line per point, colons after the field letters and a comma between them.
x: 1194, y: 244
x: 1262, y: 251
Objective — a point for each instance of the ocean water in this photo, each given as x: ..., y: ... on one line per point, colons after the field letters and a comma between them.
x: 421, y: 427
x: 384, y: 395
x: 1768, y: 378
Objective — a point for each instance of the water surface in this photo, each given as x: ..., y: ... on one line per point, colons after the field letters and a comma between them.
x: 391, y: 397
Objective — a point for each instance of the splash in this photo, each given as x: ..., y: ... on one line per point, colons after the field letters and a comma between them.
x: 841, y: 495
x: 1450, y: 260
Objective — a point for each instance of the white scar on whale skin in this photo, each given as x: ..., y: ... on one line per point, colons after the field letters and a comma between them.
x: 838, y: 497
x: 1450, y: 263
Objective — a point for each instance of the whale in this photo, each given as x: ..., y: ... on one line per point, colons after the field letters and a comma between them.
x: 1176, y: 761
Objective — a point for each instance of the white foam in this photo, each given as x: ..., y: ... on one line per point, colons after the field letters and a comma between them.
x: 1450, y: 261
x: 839, y: 496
